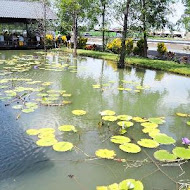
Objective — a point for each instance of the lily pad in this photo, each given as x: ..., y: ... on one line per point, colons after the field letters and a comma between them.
x: 46, y: 142
x: 139, y: 119
x: 182, y: 114
x: 28, y: 110
x: 32, y: 132
x: 164, y: 139
x: 130, y: 148
x: 120, y: 139
x: 17, y: 107
x: 125, y: 123
x: 124, y: 117
x: 164, y: 156
x: 62, y: 146
x: 148, y: 143
x: 149, y: 125
x: 105, y: 153
x: 47, y: 130
x: 107, y: 112
x: 131, y: 184
x: 66, y: 128
x: 188, y: 123
x: 46, y: 135
x: 109, y: 118
x: 79, y: 112
x: 157, y: 120
x: 182, y: 152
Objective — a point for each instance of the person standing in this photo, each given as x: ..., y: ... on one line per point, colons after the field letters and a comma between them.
x: 68, y: 40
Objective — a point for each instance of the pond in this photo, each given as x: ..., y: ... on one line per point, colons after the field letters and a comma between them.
x: 57, y: 84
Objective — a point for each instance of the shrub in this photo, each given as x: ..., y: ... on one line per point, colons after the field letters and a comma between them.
x: 115, y: 45
x: 91, y: 47
x: 161, y: 48
x: 82, y: 43
x: 49, y: 39
x: 129, y: 46
x: 139, y: 49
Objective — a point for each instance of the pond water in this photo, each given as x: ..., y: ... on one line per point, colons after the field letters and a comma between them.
x: 25, y: 166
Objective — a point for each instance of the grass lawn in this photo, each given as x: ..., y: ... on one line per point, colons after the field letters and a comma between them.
x: 169, y: 66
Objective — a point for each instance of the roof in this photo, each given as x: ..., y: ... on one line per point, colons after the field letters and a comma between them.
x: 24, y: 10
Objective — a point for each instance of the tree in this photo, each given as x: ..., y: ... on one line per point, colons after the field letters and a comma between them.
x: 153, y: 15
x: 121, y: 63
x: 186, y: 16
x: 73, y: 12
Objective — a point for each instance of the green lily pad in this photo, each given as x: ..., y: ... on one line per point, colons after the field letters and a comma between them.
x: 148, y: 143
x: 124, y: 117
x: 66, y: 128
x: 182, y: 152
x: 149, y: 125
x: 46, y: 142
x: 164, y: 139
x: 120, y: 139
x: 157, y: 120
x: 125, y: 123
x: 62, y: 146
x: 105, y: 153
x: 130, y: 148
x: 107, y: 112
x: 188, y: 123
x: 109, y: 118
x: 164, y: 156
x: 47, y: 130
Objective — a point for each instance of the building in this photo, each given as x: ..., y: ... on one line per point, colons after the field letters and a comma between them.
x: 19, y: 12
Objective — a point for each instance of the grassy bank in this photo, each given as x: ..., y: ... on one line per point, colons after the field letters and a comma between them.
x: 168, y: 66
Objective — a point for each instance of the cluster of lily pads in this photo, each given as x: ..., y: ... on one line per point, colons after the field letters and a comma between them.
x: 128, y: 184
x: 41, y: 94
x: 128, y: 86
x: 150, y: 127
x: 47, y: 138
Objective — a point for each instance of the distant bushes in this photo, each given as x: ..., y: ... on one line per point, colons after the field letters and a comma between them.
x: 81, y: 44
x: 139, y: 49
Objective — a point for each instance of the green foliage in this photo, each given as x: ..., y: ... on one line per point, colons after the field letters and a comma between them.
x: 161, y: 48
x: 82, y: 43
x: 139, y: 49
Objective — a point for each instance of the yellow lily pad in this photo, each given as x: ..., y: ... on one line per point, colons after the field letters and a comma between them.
x: 62, y: 146
x: 182, y: 114
x: 125, y: 123
x: 120, y: 139
x: 148, y: 143
x: 47, y: 130
x: 105, y: 153
x: 32, y: 132
x: 79, y: 112
x: 107, y: 113
x: 109, y: 118
x: 130, y: 148
x: 124, y: 117
x: 46, y: 142
x: 139, y: 119
x: 149, y: 125
x: 66, y: 128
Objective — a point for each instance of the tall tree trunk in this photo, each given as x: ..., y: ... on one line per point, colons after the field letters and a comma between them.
x: 103, y: 24
x: 45, y: 26
x: 121, y: 63
x: 75, y: 33
x: 144, y: 28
